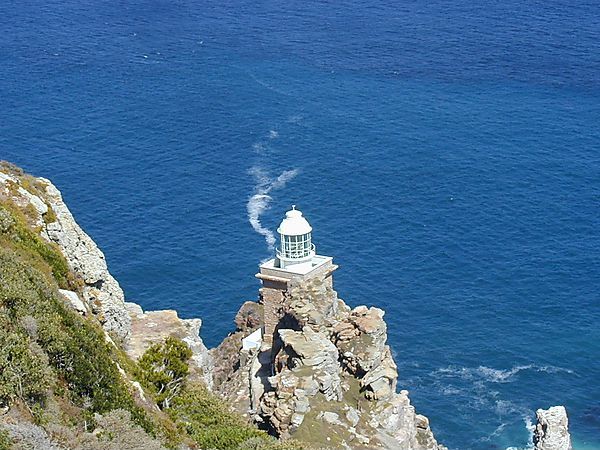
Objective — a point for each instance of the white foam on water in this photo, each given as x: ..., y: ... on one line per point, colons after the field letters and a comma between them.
x: 475, y: 384
x: 553, y: 369
x: 260, y: 201
x: 258, y: 147
x: 506, y: 407
x: 449, y: 390
x: 496, y: 375
x: 273, y: 134
x: 530, y: 429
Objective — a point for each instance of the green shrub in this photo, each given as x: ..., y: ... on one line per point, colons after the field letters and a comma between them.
x: 163, y: 368
x: 208, y: 421
x: 50, y: 216
x: 272, y: 444
x: 74, y: 348
x: 116, y: 431
x: 24, y: 371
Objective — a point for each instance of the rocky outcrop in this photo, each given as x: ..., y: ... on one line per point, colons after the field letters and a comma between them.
x: 76, y: 303
x: 153, y: 327
x: 308, y: 351
x: 552, y: 429
x: 249, y: 317
x: 307, y: 365
x: 329, y: 377
x: 361, y: 339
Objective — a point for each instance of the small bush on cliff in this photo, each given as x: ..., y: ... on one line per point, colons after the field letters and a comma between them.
x: 163, y: 369
x: 114, y: 431
x: 273, y: 444
x: 24, y: 371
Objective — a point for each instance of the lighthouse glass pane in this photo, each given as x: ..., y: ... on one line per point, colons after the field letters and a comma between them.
x: 296, y: 246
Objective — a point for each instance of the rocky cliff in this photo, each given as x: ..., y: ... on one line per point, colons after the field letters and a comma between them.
x: 329, y: 378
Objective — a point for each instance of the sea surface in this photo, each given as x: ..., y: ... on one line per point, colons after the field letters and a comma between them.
x: 447, y: 154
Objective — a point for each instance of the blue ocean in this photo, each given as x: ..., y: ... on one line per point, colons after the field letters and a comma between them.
x: 446, y: 153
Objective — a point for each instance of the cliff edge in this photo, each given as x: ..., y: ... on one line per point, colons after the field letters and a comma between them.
x: 328, y: 379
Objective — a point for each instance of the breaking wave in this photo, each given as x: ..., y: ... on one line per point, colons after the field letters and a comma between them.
x: 530, y: 429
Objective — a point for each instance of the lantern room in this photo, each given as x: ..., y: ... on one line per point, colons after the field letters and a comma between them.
x: 296, y: 245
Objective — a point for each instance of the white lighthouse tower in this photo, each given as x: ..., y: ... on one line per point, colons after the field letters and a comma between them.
x: 296, y: 259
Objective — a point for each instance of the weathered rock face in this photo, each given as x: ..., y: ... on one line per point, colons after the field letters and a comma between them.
x: 328, y: 378
x: 76, y: 303
x: 249, y: 317
x: 310, y: 351
x: 397, y: 418
x: 312, y: 302
x: 101, y: 290
x: 306, y: 365
x: 361, y: 339
x: 552, y: 429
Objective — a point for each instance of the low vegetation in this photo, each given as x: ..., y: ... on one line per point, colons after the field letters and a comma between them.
x: 47, y: 347
x: 5, y: 441
x: 31, y: 248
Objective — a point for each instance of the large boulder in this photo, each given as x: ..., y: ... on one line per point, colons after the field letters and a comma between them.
x: 310, y: 352
x: 401, y: 428
x: 249, y: 317
x: 552, y: 429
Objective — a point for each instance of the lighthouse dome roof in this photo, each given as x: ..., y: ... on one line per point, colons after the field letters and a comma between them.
x: 294, y: 224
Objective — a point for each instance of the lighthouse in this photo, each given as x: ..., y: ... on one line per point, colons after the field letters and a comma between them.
x: 295, y: 259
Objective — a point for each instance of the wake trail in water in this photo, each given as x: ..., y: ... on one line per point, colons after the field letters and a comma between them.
x: 260, y: 201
